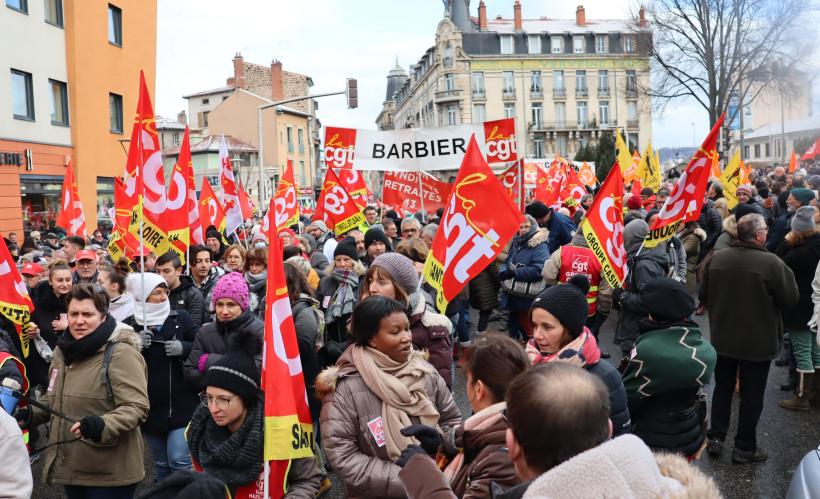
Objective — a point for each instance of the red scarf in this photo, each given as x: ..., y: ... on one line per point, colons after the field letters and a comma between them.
x: 582, y: 351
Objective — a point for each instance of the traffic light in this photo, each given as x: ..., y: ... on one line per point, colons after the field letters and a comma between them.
x: 352, y: 94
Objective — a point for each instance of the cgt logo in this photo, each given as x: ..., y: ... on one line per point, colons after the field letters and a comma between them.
x: 339, y: 147
x: 500, y: 141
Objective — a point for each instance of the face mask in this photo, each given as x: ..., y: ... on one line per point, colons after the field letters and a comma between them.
x: 259, y: 244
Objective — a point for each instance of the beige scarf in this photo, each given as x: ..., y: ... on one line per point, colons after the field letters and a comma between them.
x: 400, y: 387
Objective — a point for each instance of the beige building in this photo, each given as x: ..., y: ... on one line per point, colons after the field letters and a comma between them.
x: 566, y: 82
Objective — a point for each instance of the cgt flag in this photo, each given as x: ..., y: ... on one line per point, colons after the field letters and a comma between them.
x: 192, y: 203
x: 233, y: 209
x: 335, y: 206
x: 288, y: 429
x: 572, y: 189
x: 285, y: 203
x: 587, y: 175
x: 511, y: 181
x: 684, y: 203
x: 71, y: 216
x: 15, y: 303
x: 213, y: 214
x: 177, y: 213
x: 478, y: 221
x: 603, y: 228
x: 353, y: 182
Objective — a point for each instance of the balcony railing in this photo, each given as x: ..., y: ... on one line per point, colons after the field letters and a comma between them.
x: 448, y: 95
x: 603, y: 92
x: 508, y: 93
x: 479, y: 94
x: 559, y: 93
x: 581, y: 92
x: 559, y: 125
x: 537, y: 93
x: 631, y: 91
x: 632, y: 124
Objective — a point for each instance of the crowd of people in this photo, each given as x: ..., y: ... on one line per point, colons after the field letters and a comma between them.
x: 159, y: 353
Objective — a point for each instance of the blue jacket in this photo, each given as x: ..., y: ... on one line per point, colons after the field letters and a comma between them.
x: 561, y: 229
x: 526, y: 258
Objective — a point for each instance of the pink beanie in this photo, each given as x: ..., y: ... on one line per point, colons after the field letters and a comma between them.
x: 231, y: 285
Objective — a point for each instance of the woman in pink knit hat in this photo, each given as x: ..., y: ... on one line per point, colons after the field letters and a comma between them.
x: 235, y: 328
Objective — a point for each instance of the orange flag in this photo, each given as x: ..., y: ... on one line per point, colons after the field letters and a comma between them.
x: 478, y: 221
x: 587, y: 176
x: 178, y: 210
x: 793, y: 163
x: 71, y: 216
x: 286, y: 199
x: 211, y: 209
x: 336, y: 207
x: 603, y: 227
x: 716, y: 173
x: 15, y: 303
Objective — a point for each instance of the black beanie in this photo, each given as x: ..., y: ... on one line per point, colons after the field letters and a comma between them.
x: 567, y: 302
x: 347, y: 247
x: 236, y: 372
x: 743, y: 209
x: 373, y: 235
x: 667, y: 300
x: 212, y: 232
x: 537, y: 209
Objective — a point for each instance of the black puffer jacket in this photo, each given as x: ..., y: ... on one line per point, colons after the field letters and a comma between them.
x: 306, y: 322
x: 711, y: 223
x: 171, y: 397
x: 47, y: 308
x: 186, y: 297
x: 215, y: 338
x: 484, y: 289
x: 618, y: 408
x: 802, y: 258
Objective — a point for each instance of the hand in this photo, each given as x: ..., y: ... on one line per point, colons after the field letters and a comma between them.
x: 173, y: 348
x: 616, y: 297
x: 428, y: 437
x: 33, y: 330
x: 23, y: 416
x: 408, y: 453
x: 59, y: 324
x: 506, y: 274
x: 146, y: 337
x: 90, y: 427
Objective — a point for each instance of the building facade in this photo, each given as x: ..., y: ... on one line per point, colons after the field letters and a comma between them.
x: 773, y: 143
x: 205, y: 160
x: 566, y: 82
x: 70, y: 75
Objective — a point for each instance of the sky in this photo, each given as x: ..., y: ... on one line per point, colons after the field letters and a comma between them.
x: 331, y: 40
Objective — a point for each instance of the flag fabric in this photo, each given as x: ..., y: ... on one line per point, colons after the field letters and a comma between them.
x: 71, y: 216
x: 211, y: 209
x: 587, y: 175
x: 793, y: 162
x: 603, y: 228
x: 572, y: 189
x: 336, y: 207
x: 623, y: 155
x: 478, y: 221
x: 15, y: 303
x: 649, y: 171
x: 684, y: 203
x: 353, y: 182
x: 812, y: 151
x: 230, y: 194
x: 245, y: 203
x: 511, y: 181
x: 636, y: 188
x: 548, y: 183
x: 192, y: 203
x: 286, y: 202
x: 730, y: 180
x: 745, y: 171
x: 121, y: 243
x: 177, y: 213
x: 288, y: 430
x: 407, y: 191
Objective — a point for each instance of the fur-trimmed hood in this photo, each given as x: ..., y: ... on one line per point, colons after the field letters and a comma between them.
x: 730, y: 226
x: 123, y: 333
x: 541, y: 235
x: 358, y: 267
x: 428, y: 317
x: 700, y: 233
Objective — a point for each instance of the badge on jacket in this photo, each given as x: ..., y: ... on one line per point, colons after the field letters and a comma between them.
x: 376, y: 427
x: 52, y: 380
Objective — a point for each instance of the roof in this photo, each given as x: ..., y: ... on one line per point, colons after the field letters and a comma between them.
x: 793, y: 126
x: 210, y: 143
x: 168, y: 124
x: 284, y: 109
x: 546, y: 25
x: 218, y: 90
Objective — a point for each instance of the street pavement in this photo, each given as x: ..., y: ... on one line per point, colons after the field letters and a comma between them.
x: 786, y: 436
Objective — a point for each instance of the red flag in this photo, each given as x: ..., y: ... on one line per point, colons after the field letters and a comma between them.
x: 245, y: 203
x: 233, y: 208
x: 548, y: 183
x: 335, y: 206
x: 400, y: 191
x: 511, y: 180
x: 684, y: 203
x: 339, y: 146
x: 71, y: 216
x: 288, y: 424
x: 192, y: 203
x: 636, y: 187
x: 177, y: 212
x: 793, y: 163
x: 286, y: 199
x: 812, y: 151
x: 603, y: 227
x: 15, y: 303
x: 353, y: 182
x: 573, y: 189
x: 211, y: 209
x: 478, y: 221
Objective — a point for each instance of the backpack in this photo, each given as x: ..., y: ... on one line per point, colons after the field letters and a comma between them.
x: 302, y: 305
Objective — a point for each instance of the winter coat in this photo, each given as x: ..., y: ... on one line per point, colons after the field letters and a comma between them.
x: 692, y: 240
x: 623, y: 467
x: 336, y: 334
x: 214, y: 338
x: 188, y: 298
x: 206, y: 287
x: 77, y: 391
x: 318, y: 261
x: 618, y: 407
x: 711, y: 224
x: 745, y: 289
x: 307, y: 327
x: 15, y: 474
x: 728, y: 235
x: 348, y: 405
x: 802, y: 259
x: 526, y: 258
x: 552, y: 268
x: 172, y: 398
x: 663, y: 380
x: 431, y: 332
x: 47, y: 308
x: 560, y: 229
x: 484, y: 289
x: 777, y: 232
x: 257, y: 294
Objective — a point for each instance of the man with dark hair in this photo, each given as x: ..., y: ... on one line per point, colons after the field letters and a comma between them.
x: 183, y: 295
x: 71, y: 245
x: 745, y: 337
x: 205, y: 275
x: 560, y: 226
x: 370, y: 215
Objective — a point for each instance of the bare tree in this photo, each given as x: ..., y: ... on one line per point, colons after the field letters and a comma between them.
x: 710, y: 50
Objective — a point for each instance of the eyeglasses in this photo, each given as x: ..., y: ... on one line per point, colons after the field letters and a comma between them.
x: 220, y: 402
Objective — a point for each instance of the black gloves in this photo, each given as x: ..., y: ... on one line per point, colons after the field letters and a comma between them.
x: 91, y: 427
x: 428, y: 437
x: 23, y: 416
x: 616, y: 298
x: 506, y: 274
x: 408, y: 453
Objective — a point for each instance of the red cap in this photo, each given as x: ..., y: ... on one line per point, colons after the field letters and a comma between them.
x: 87, y: 255
x: 31, y: 269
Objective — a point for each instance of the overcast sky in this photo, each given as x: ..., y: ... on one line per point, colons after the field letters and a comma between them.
x: 331, y: 40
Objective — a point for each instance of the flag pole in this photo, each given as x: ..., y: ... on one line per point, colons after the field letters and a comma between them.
x: 421, y: 197
x: 521, y: 184
x: 141, y: 217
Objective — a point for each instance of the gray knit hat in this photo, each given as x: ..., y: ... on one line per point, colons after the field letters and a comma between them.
x: 401, y: 269
x: 803, y: 219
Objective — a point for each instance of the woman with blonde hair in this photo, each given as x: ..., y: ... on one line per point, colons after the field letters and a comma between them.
x: 234, y: 258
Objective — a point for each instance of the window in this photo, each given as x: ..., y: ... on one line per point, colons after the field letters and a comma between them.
x: 631, y: 81
x: 509, y: 110
x: 578, y: 44
x: 18, y: 5
x: 561, y: 145
x: 300, y: 136
x: 632, y: 139
x: 302, y: 173
x: 115, y: 25
x: 560, y: 114
x: 632, y: 110
x: 115, y: 113
x: 175, y: 139
x: 290, y: 139
x: 603, y: 113
x: 448, y: 55
x: 745, y: 151
x: 757, y: 150
x: 603, y: 82
x: 22, y: 96
x: 558, y: 80
x: 768, y: 150
x: 582, y: 114
x: 557, y: 44
x: 536, y: 86
x: 206, y: 101
x: 478, y: 84
x: 601, y: 44
x: 205, y: 118
x: 507, y: 44
x: 54, y: 12
x: 59, y: 103
x: 479, y: 113
x: 451, y: 115
x: 449, y: 82
x: 581, y: 83
x: 537, y: 116
x: 538, y: 147
x: 534, y: 44
x: 629, y: 44
x: 509, y: 83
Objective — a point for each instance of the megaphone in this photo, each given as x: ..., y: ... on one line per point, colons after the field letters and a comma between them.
x: 9, y: 394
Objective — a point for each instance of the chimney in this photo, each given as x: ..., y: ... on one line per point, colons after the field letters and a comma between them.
x: 482, y: 15
x: 238, y: 71
x: 580, y: 16
x: 182, y: 117
x: 277, y: 90
x: 517, y: 15
x: 642, y: 17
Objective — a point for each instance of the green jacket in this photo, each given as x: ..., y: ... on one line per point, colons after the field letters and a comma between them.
x: 77, y: 391
x: 745, y: 289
